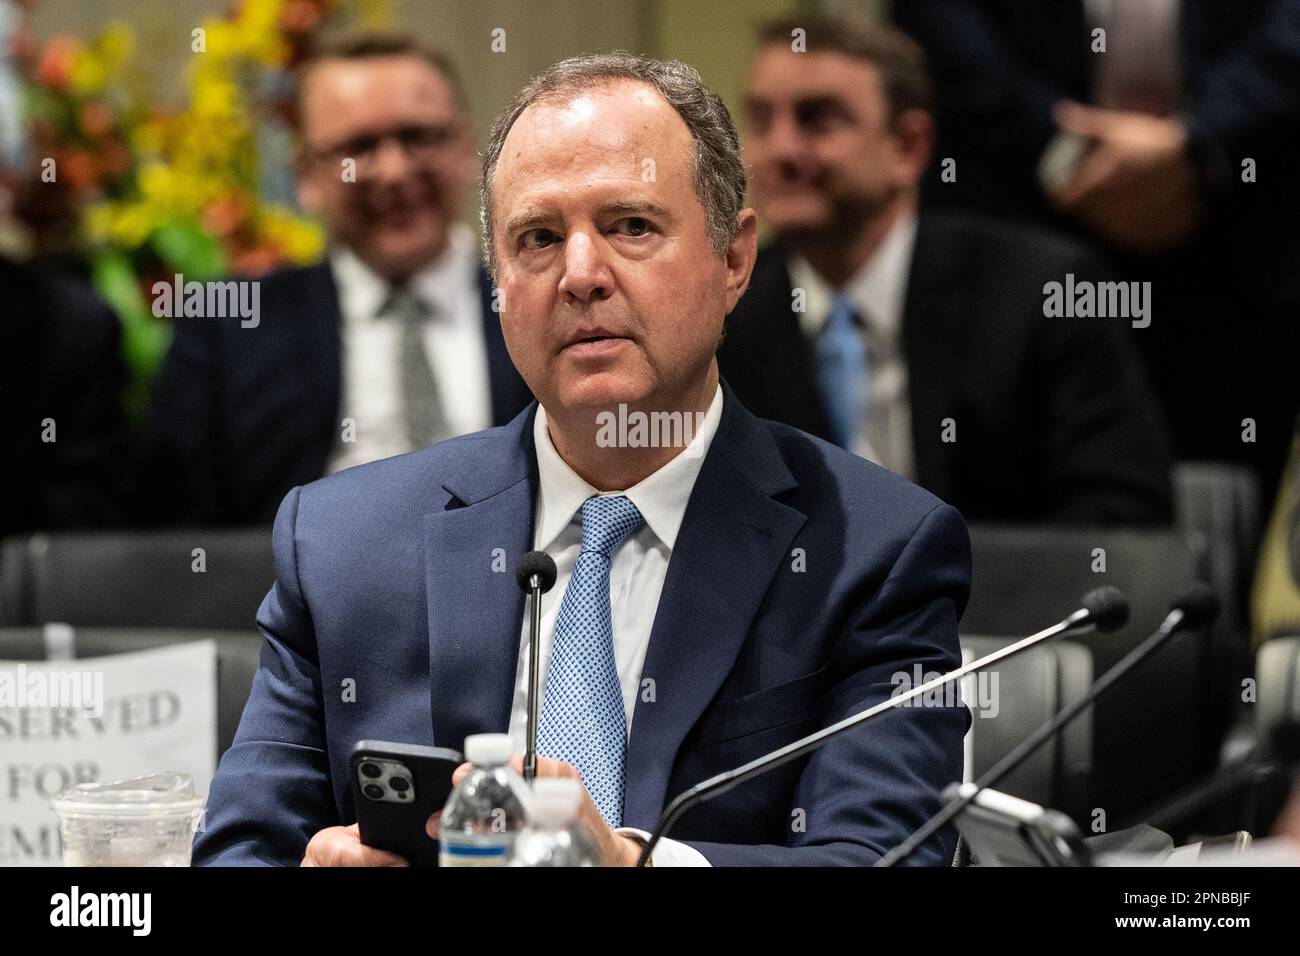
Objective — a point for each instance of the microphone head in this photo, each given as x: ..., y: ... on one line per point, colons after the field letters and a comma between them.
x: 1199, y: 604
x: 536, y: 563
x: 1107, y: 608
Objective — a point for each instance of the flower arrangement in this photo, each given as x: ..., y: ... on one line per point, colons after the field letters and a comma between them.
x: 139, y: 190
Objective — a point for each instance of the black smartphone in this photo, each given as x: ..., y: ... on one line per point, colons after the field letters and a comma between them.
x: 396, y: 788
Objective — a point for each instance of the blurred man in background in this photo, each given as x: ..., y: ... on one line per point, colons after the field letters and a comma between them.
x: 392, y: 344
x: 63, y: 434
x: 921, y: 341
x: 1168, y: 130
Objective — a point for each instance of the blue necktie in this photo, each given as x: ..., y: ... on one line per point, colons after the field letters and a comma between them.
x: 582, y: 720
x: 842, y: 374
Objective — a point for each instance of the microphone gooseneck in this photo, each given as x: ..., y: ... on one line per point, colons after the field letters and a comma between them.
x: 536, y: 575
x: 1108, y: 602
x: 1195, y: 607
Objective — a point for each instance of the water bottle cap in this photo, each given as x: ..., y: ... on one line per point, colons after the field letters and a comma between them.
x: 554, y: 801
x: 487, y: 750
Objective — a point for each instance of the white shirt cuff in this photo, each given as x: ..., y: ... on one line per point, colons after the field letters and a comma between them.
x: 668, y: 852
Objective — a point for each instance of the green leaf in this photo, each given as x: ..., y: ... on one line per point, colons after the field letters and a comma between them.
x: 145, y: 338
x: 185, y: 248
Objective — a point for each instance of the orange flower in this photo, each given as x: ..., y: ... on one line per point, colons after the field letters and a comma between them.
x: 299, y: 16
x: 55, y: 65
x: 114, y: 160
x: 223, y: 216
x: 77, y: 168
x: 256, y: 261
x: 96, y: 119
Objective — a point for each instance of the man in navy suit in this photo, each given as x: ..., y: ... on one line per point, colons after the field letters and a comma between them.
x: 958, y: 379
x: 726, y: 584
x: 390, y: 344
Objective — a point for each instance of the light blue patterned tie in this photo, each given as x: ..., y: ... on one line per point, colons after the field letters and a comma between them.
x: 842, y: 375
x: 582, y: 721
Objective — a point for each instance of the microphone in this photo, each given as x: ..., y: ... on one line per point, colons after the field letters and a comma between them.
x: 1107, y: 608
x: 536, y: 575
x: 1196, y: 606
x: 1103, y: 609
x: 1274, y: 760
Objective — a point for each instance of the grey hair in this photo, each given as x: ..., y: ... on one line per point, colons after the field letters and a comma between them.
x: 717, y: 169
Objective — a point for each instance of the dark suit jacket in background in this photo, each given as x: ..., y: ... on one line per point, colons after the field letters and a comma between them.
x: 1001, y: 65
x: 1223, y: 342
x: 384, y: 574
x: 241, y: 415
x: 1054, y: 419
x: 60, y: 358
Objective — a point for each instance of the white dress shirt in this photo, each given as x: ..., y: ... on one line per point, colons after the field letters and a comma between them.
x: 878, y: 290
x: 636, y: 576
x: 453, y: 340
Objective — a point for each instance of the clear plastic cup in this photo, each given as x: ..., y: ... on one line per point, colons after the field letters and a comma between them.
x: 141, y: 821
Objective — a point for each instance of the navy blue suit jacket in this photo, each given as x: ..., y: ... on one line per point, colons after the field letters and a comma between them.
x: 803, y: 582
x: 241, y: 415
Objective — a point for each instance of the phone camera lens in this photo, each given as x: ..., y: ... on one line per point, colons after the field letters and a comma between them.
x: 374, y: 791
x: 400, y: 784
x: 371, y: 770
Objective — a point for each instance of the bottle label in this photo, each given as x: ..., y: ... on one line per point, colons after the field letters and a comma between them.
x: 474, y: 854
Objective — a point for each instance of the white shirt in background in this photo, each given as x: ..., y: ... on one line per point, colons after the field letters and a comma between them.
x: 371, y: 366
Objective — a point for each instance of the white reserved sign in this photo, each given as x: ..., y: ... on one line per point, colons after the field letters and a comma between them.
x: 96, y: 719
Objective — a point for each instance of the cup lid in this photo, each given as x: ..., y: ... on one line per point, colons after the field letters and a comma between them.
x: 166, y: 792
x: 554, y: 801
x: 487, y: 750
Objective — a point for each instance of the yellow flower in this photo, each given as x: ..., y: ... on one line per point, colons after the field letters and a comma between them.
x: 97, y: 222
x: 157, y: 183
x: 213, y: 96
x: 148, y: 138
x: 299, y: 240
x: 221, y: 39
x: 116, y: 44
x: 127, y: 224
x: 88, y: 75
x: 257, y: 18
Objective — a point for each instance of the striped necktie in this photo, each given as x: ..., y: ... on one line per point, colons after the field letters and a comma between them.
x: 421, y: 400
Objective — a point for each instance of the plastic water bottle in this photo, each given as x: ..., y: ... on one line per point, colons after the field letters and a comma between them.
x: 485, y: 814
x: 554, y: 836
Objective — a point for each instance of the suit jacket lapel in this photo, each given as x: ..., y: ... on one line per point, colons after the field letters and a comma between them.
x: 732, y: 541
x: 931, y: 326
x: 472, y: 545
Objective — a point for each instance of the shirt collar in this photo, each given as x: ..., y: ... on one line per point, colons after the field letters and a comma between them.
x: 878, y: 289
x: 661, y: 497
x: 443, y: 281
x: 363, y: 292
